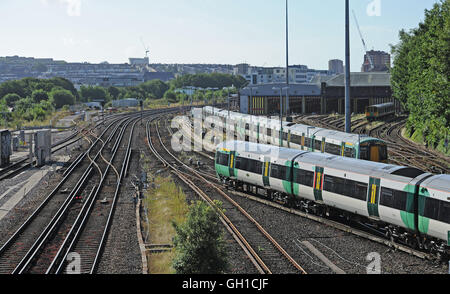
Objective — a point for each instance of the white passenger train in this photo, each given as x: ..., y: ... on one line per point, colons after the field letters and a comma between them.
x: 297, y: 136
x: 407, y: 204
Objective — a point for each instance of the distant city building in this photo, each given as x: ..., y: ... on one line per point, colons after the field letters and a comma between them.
x: 163, y: 76
x: 336, y: 66
x: 129, y: 102
x: 241, y: 69
x: 139, y: 61
x: 381, y: 61
x: 325, y: 94
x: 268, y: 75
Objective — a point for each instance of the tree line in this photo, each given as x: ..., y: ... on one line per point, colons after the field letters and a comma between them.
x: 32, y: 99
x: 420, y: 76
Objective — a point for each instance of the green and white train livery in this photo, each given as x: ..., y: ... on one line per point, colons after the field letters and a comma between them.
x: 264, y: 130
x: 407, y: 204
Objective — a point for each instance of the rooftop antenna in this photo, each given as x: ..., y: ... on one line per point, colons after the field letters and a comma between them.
x: 364, y: 43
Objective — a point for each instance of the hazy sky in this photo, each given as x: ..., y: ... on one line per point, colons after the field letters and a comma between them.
x: 201, y: 31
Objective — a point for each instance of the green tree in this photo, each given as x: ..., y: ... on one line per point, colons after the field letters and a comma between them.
x: 114, y: 92
x: 39, y: 95
x: 170, y: 96
x: 199, y: 242
x: 11, y: 99
x: 91, y: 93
x: 420, y: 75
x: 60, y: 97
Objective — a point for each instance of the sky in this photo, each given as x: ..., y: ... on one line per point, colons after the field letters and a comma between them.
x: 202, y: 31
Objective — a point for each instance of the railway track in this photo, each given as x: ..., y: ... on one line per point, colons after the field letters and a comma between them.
x: 401, y: 151
x: 360, y: 230
x: 62, y: 223
x: 23, y: 246
x: 264, y: 251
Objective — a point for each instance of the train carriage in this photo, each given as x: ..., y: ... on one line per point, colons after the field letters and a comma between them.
x: 408, y: 204
x: 265, y: 130
x: 380, y: 111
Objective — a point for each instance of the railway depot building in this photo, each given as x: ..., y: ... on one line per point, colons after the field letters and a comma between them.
x: 324, y: 95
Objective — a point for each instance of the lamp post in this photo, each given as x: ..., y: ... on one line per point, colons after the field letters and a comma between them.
x: 281, y: 111
x: 348, y: 118
x: 287, y: 58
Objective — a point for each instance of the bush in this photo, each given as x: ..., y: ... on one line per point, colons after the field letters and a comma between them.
x: 199, y: 243
x: 60, y: 97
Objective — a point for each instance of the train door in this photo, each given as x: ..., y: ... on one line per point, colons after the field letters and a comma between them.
x: 318, y: 183
x: 232, y: 163
x: 257, y: 135
x: 375, y: 153
x: 323, y: 145
x: 313, y: 140
x: 303, y: 141
x: 266, y: 171
x: 373, y: 197
x: 289, y: 139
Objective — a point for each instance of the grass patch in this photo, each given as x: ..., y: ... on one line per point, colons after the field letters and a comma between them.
x: 165, y: 204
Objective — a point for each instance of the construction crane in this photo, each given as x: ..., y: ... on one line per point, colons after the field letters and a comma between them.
x: 364, y: 43
x: 146, y: 48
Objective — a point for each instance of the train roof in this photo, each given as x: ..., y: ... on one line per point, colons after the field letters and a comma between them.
x: 350, y: 165
x: 299, y: 129
x: 438, y: 182
x: 383, y: 105
x: 259, y: 149
x: 352, y: 139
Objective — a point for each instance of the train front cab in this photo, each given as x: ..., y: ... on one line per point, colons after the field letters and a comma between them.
x: 373, y: 150
x: 371, y: 113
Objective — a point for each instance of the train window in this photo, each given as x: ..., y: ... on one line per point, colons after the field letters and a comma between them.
x: 317, y: 145
x: 345, y: 187
x: 296, y: 139
x: 328, y: 184
x: 269, y: 132
x: 444, y: 212
x: 360, y: 191
x: 285, y: 136
x: 307, y: 142
x: 364, y: 152
x: 255, y: 167
x: 387, y: 197
x: 332, y: 149
x: 334, y: 185
x: 247, y: 126
x: 241, y: 163
x: 303, y: 177
x: 383, y: 153
x: 222, y: 159
x: 400, y: 199
x: 408, y: 172
x: 431, y: 208
x: 250, y: 165
x: 279, y: 172
x: 349, y: 152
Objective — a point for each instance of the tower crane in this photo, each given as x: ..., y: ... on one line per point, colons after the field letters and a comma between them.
x: 146, y: 48
x: 364, y: 43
